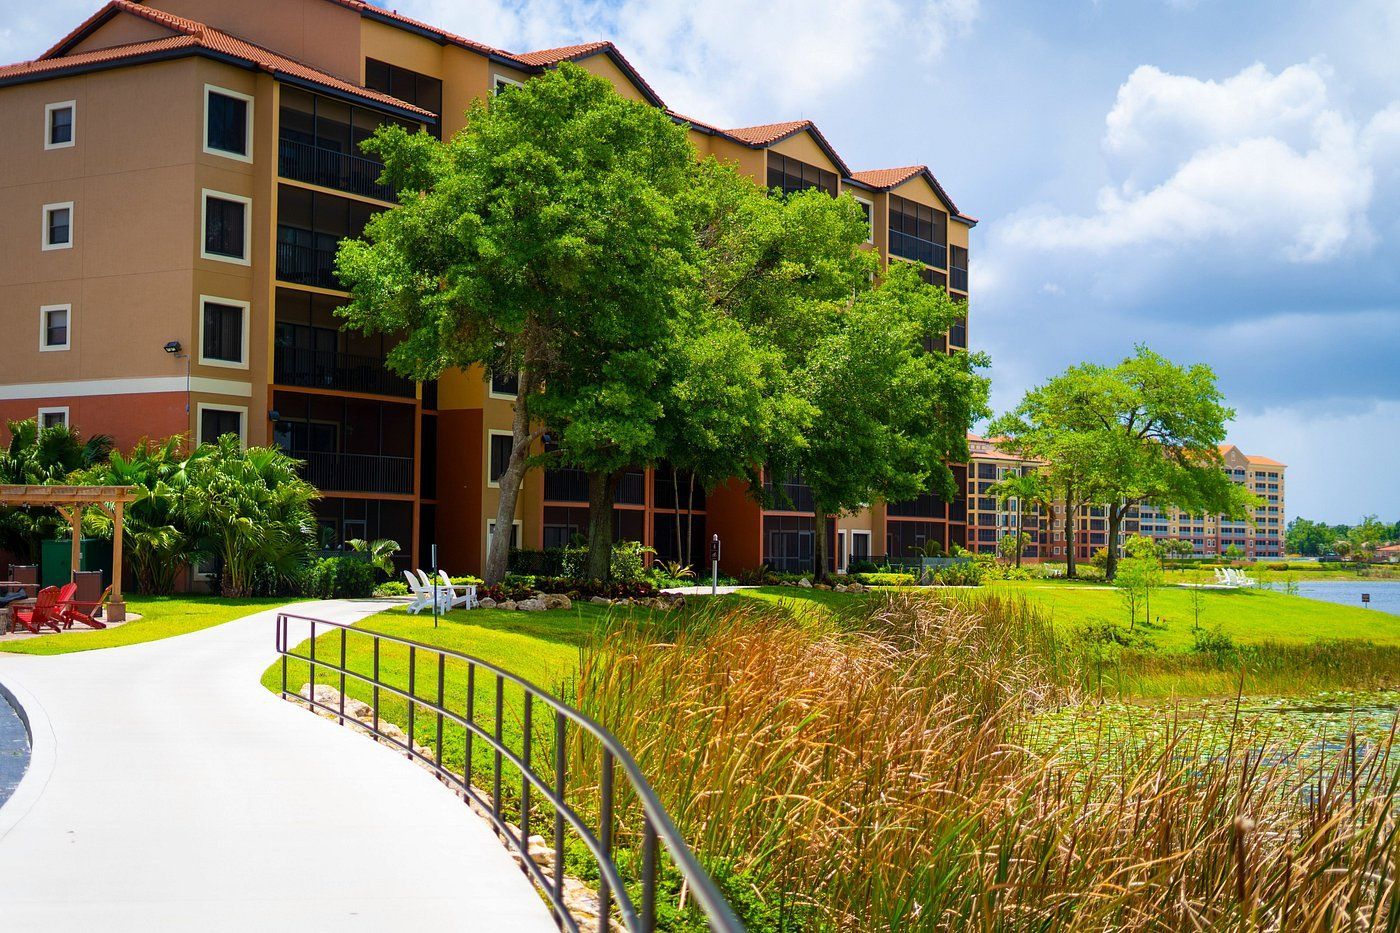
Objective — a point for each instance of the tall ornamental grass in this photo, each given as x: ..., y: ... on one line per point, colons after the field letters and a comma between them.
x: 878, y: 772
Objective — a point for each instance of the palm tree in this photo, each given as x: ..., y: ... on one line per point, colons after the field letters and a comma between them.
x: 379, y: 552
x: 44, y: 456
x: 1029, y: 490
x: 156, y: 540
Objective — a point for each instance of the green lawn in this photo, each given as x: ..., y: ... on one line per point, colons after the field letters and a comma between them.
x: 1248, y: 616
x: 161, y: 617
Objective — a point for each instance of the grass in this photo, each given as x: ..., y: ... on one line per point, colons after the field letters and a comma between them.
x: 1247, y: 616
x: 161, y: 617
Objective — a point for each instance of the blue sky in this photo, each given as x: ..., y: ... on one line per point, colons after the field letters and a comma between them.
x: 1216, y: 179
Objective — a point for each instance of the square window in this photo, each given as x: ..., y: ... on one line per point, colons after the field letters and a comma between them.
x: 59, y: 125
x: 54, y: 327
x: 507, y: 384
x: 53, y: 417
x: 223, y: 332
x: 228, y: 129
x: 501, y: 446
x: 226, y: 227
x: 58, y: 226
x: 216, y: 421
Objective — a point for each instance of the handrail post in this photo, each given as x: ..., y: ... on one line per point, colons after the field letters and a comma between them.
x: 560, y: 763
x: 605, y: 828
x: 527, y: 727
x: 648, y: 874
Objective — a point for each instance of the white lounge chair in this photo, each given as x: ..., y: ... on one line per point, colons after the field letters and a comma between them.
x: 463, y: 595
x: 420, y: 598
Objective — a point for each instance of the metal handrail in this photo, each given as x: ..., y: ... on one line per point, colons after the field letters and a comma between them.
x: 657, y: 826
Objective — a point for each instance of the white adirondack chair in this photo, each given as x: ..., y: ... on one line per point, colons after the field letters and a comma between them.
x: 463, y: 595
x: 421, y: 598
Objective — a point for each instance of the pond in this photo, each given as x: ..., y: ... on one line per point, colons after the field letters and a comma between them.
x: 1385, y: 594
x: 14, y: 750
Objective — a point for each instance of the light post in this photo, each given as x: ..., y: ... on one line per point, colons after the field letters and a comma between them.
x: 714, y: 565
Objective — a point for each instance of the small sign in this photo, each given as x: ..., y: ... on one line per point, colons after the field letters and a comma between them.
x: 1365, y: 598
x: 714, y: 548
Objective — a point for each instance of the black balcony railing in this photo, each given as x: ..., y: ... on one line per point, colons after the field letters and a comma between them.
x: 908, y: 246
x: 328, y: 369
x: 791, y: 497
x: 566, y: 485
x: 334, y: 472
x: 306, y: 265
x: 565, y: 776
x: 957, y: 334
x: 957, y: 278
x: 331, y: 169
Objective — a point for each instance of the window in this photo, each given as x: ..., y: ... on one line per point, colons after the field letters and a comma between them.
x: 791, y: 175
x: 514, y: 534
x: 217, y: 420
x: 58, y: 226
x: 228, y: 125
x: 54, y: 327
x: 223, y: 332
x: 957, y: 262
x: 501, y: 83
x: 53, y: 417
x: 226, y: 227
x: 501, y: 446
x: 918, y: 232
x: 506, y: 385
x: 409, y: 86
x: 869, y: 208
x: 59, y: 125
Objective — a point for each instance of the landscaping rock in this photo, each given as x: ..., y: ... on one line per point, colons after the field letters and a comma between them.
x: 508, y: 605
x: 839, y: 588
x: 487, y: 603
x: 533, y: 604
x: 558, y: 601
x: 805, y: 583
x: 854, y: 588
x: 821, y: 586
x: 600, y: 601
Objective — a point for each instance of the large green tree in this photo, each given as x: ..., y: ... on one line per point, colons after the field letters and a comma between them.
x: 548, y: 238
x: 1144, y: 431
x: 1310, y: 538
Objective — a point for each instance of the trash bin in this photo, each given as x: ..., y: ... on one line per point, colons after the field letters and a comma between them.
x: 28, y: 574
x: 89, y: 586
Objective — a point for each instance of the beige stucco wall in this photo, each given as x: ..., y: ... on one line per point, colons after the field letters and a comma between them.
x: 313, y: 32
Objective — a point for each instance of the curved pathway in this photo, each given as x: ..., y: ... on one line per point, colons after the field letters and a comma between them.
x: 168, y: 790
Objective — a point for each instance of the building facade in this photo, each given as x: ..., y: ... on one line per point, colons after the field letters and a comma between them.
x: 990, y: 520
x: 179, y: 262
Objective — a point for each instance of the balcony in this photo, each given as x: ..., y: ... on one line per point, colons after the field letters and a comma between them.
x: 331, y: 168
x: 908, y: 246
x: 333, y: 472
x: 306, y: 265
x: 957, y: 335
x: 566, y: 485
x: 346, y: 372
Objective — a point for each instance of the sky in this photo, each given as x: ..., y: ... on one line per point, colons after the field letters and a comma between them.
x: 1218, y: 180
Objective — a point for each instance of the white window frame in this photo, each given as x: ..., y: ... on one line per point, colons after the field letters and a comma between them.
x: 491, y: 531
x: 48, y: 124
x: 869, y: 544
x: 492, y: 393
x: 44, y: 225
x: 243, y: 350
x: 56, y: 410
x: 498, y: 79
x: 870, y: 233
x: 248, y: 128
x: 201, y: 407
x: 490, y: 433
x: 205, y: 195
x: 44, y: 311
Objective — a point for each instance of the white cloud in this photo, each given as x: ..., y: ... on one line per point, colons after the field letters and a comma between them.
x: 723, y: 60
x: 1259, y: 163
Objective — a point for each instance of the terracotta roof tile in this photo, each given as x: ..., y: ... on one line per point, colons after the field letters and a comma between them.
x: 564, y: 53
x: 191, y: 34
x: 768, y: 133
x: 887, y: 177
x: 1263, y: 461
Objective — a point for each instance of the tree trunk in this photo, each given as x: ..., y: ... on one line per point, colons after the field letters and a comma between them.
x: 1020, y: 530
x: 1115, y: 522
x: 689, y: 523
x: 676, y: 507
x: 600, y: 521
x: 498, y: 556
x: 819, y: 544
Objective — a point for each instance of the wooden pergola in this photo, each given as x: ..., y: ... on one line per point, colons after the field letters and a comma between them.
x: 70, y: 502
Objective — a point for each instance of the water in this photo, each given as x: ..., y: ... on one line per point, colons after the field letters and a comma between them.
x: 14, y: 750
x: 1385, y: 594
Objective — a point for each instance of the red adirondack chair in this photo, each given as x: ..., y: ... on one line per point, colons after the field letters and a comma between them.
x: 84, y: 612
x: 44, y: 612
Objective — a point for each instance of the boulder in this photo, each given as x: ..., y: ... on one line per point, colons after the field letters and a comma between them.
x: 487, y: 603
x: 805, y: 583
x: 600, y: 601
x: 839, y: 588
x: 558, y: 601
x: 854, y: 587
x: 820, y: 586
x: 508, y: 605
x: 533, y: 604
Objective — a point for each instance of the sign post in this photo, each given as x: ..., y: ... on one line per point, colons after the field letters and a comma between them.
x: 1366, y: 600
x: 435, y: 587
x: 714, y: 565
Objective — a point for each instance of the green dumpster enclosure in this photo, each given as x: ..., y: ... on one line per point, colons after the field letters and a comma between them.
x: 55, y: 558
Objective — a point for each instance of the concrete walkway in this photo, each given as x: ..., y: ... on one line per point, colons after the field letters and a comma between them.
x: 168, y: 790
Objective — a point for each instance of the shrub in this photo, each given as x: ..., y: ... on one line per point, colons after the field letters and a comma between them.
x: 391, y: 588
x: 587, y: 589
x: 862, y: 565
x: 339, y: 578
x: 628, y: 560
x: 971, y: 573
x: 546, y: 563
x: 1277, y: 566
x: 885, y: 579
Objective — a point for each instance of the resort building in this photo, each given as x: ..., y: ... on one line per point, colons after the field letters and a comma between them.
x: 989, y: 520
x: 188, y: 167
